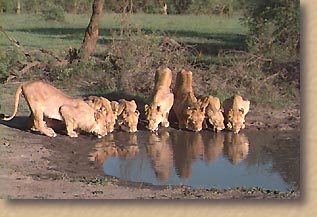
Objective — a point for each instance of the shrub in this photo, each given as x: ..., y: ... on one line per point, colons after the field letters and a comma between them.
x: 274, y: 28
x: 135, y: 56
x: 10, y: 63
x: 53, y: 12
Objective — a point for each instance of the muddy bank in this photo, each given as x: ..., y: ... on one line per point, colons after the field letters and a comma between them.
x: 35, y: 166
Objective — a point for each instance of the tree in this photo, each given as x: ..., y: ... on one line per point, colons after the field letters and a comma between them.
x: 274, y: 27
x: 92, y: 31
x: 18, y: 9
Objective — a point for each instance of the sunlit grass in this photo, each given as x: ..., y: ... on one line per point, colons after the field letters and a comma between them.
x: 34, y: 32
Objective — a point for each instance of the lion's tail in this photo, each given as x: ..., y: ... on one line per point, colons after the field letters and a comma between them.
x: 16, y: 103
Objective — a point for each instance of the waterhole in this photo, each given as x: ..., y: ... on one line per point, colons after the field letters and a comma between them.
x: 270, y: 160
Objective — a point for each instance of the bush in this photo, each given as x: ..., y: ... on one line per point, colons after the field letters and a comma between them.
x: 135, y: 56
x: 217, y: 7
x: 10, y: 62
x: 53, y: 12
x: 274, y: 28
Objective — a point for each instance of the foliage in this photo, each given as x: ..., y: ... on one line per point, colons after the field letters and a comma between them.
x: 53, y: 12
x: 274, y: 28
x: 135, y: 56
x: 145, y: 6
x: 10, y: 61
x: 129, y: 53
x: 218, y: 7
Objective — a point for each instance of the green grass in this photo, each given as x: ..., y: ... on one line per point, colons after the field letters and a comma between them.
x: 206, y: 33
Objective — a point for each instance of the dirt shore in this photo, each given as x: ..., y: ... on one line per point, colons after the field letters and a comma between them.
x: 35, y: 166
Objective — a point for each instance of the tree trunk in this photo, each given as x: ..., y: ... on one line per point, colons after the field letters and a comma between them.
x: 91, y: 34
x: 18, y: 9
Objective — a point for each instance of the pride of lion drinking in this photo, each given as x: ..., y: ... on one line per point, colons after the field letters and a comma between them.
x: 99, y: 116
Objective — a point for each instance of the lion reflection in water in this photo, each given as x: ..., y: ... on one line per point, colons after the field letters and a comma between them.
x: 213, y: 148
x: 237, y: 147
x: 108, y: 148
x: 186, y: 148
x: 180, y: 149
x: 161, y: 154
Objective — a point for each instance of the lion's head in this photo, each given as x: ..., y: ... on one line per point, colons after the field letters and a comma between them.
x: 236, y: 120
x: 195, y: 117
x: 154, y: 116
x: 128, y: 115
x: 100, y: 128
x: 215, y: 118
x: 102, y: 104
x: 129, y: 121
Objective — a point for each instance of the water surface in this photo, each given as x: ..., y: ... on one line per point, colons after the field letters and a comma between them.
x: 203, y: 160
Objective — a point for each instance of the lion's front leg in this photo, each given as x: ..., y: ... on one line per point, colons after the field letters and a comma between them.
x: 66, y: 112
x: 70, y: 130
x: 165, y: 122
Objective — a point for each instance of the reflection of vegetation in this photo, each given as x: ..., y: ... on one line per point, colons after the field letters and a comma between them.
x: 284, y: 154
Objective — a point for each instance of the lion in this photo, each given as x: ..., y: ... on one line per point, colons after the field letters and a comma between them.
x: 189, y: 111
x: 235, y: 110
x: 104, y: 105
x: 128, y: 116
x: 47, y: 101
x: 213, y: 112
x: 157, y: 112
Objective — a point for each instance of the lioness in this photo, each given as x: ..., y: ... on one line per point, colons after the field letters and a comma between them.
x: 189, y: 112
x: 45, y: 100
x: 128, y: 115
x: 235, y: 110
x: 104, y: 105
x: 157, y: 112
x: 213, y: 112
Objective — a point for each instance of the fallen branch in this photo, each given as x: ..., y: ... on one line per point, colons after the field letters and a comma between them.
x: 15, y: 42
x: 27, y: 66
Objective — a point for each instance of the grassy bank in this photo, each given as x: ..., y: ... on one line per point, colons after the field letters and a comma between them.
x: 34, y: 32
x: 127, y: 63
